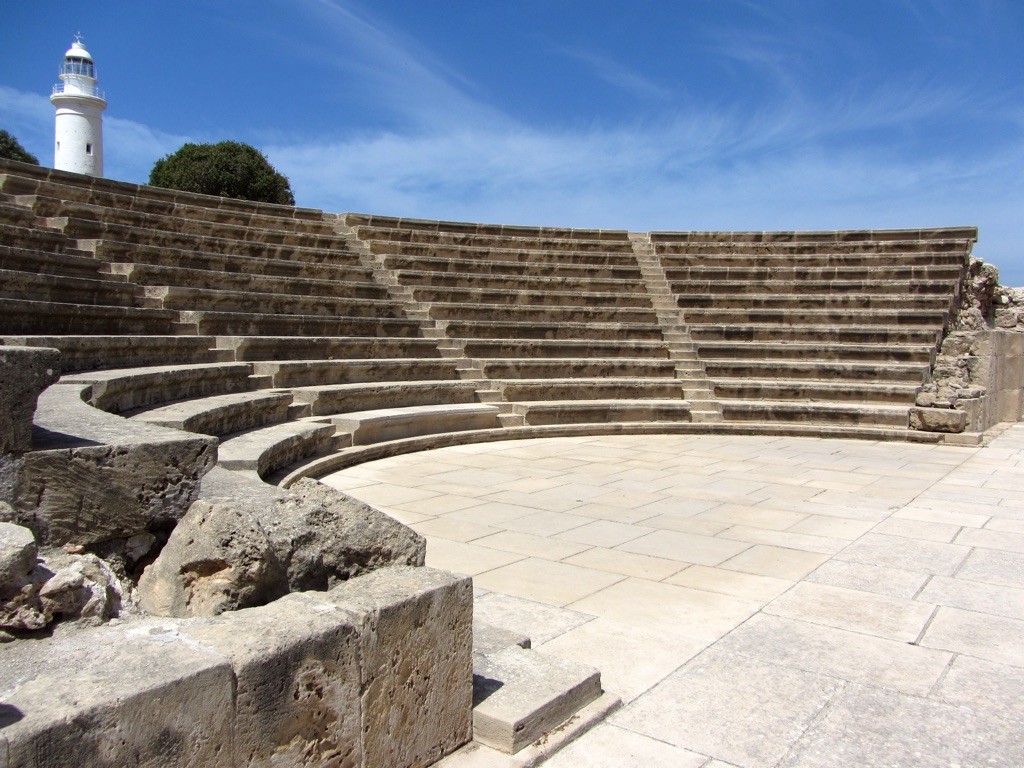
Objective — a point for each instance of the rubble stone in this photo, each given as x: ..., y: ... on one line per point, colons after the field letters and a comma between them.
x: 252, y: 544
x: 17, y: 554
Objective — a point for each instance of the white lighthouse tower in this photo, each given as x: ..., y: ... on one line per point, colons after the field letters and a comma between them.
x: 78, y: 144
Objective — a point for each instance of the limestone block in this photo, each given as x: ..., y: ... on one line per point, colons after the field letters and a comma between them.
x: 330, y: 537
x: 296, y: 666
x: 117, y: 698
x: 24, y: 373
x: 415, y: 634
x: 247, y: 544
x: 219, y: 558
x: 937, y: 420
x: 93, y: 476
x: 520, y: 694
x: 17, y: 554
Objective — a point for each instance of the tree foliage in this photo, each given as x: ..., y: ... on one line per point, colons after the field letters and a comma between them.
x: 10, y: 149
x: 228, y: 169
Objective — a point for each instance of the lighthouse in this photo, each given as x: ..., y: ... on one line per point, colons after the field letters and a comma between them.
x: 78, y: 125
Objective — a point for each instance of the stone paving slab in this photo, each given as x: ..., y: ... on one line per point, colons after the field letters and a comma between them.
x: 754, y: 601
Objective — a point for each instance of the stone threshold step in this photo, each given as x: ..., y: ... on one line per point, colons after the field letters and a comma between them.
x: 519, y: 694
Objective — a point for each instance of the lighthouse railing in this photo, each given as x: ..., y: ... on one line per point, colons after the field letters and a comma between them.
x: 74, y: 89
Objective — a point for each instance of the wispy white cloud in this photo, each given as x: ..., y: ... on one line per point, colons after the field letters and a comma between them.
x: 618, y: 75
x: 29, y: 117
x: 392, y: 68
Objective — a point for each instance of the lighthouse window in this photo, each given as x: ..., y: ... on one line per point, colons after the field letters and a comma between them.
x: 88, y: 149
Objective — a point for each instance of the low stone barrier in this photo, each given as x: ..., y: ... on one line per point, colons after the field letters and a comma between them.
x: 377, y: 672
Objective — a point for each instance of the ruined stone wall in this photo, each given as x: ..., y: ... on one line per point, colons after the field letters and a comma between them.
x: 978, y: 375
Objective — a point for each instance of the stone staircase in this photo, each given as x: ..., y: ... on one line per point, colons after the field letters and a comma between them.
x: 682, y: 350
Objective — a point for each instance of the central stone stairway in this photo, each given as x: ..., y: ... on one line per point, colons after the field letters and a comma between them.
x: 696, y: 388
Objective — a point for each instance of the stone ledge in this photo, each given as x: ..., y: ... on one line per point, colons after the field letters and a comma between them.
x: 93, y: 476
x: 342, y: 678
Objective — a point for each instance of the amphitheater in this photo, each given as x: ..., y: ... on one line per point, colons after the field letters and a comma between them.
x: 687, y: 498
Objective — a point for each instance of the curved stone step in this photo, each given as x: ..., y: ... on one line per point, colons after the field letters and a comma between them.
x: 381, y: 425
x: 601, y: 411
x: 221, y: 414
x: 125, y: 389
x: 267, y: 449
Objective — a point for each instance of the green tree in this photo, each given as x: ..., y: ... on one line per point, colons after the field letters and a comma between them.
x: 228, y: 169
x: 10, y: 149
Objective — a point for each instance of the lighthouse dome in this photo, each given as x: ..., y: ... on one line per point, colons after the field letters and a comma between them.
x: 77, y: 51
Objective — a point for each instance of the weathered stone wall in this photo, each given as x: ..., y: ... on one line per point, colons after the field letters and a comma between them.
x: 978, y: 375
x: 376, y: 672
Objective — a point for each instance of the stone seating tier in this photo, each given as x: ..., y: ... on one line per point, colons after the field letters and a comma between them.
x: 832, y: 301
x: 777, y: 353
x: 46, y: 240
x: 527, y: 239
x: 264, y: 450
x: 579, y: 388
x: 281, y: 348
x: 304, y: 373
x: 817, y: 391
x: 70, y: 263
x: 210, y: 323
x: 280, y: 304
x: 856, y: 413
x: 556, y: 348
x: 330, y: 252
x: 48, y: 201
x: 78, y: 218
x: 87, y: 353
x: 113, y: 251
x: 831, y: 317
x: 34, y: 286
x: 732, y: 258
x: 539, y: 313
x: 483, y: 254
x: 221, y: 415
x: 830, y: 334
x: 23, y: 179
x: 852, y: 237
x: 509, y: 329
x: 875, y: 273
x: 509, y: 231
x: 414, y: 280
x: 18, y: 316
x: 945, y: 288
x: 209, y: 279
x: 789, y: 369
x: 514, y: 295
x: 513, y: 269
x: 14, y: 214
x: 564, y: 367
x: 125, y: 390
x: 385, y: 424
x: 332, y: 399
x: 602, y: 411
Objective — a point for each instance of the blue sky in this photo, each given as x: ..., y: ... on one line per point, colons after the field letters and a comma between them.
x: 667, y: 114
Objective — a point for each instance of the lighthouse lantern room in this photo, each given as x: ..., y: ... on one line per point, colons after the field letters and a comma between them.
x: 78, y: 125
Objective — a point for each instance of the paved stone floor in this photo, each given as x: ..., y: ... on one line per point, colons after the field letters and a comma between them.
x: 754, y: 601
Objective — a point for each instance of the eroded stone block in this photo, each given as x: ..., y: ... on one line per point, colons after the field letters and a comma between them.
x: 937, y: 419
x: 247, y: 544
x: 296, y: 664
x: 24, y: 373
x: 115, y: 697
x: 92, y: 476
x: 415, y: 633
